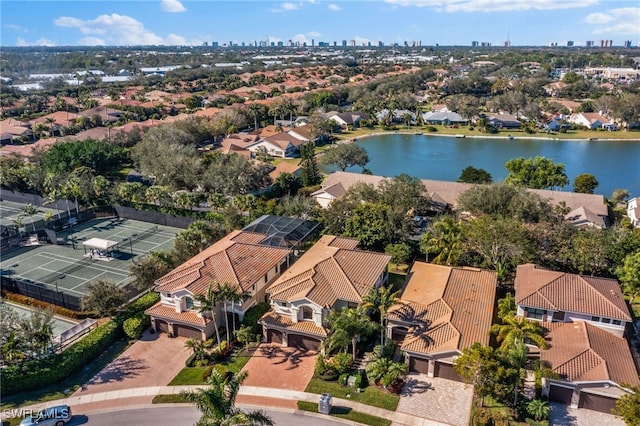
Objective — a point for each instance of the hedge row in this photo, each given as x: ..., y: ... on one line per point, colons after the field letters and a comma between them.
x: 30, y: 301
x: 39, y: 373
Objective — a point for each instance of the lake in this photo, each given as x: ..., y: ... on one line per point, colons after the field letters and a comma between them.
x: 615, y: 164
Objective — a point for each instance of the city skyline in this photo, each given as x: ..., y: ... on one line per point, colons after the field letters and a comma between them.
x: 428, y: 22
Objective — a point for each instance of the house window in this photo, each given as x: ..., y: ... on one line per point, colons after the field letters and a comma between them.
x: 307, y: 313
x: 595, y: 319
x: 534, y: 313
x: 283, y: 304
x: 616, y: 322
x: 606, y: 321
x: 558, y: 316
x: 265, y: 278
x: 188, y: 301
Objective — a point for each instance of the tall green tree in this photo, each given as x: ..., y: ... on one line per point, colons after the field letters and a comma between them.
x: 216, y: 402
x: 628, y: 407
x: 310, y: 171
x: 31, y: 210
x: 629, y: 275
x: 103, y: 297
x: 442, y: 238
x: 207, y: 304
x: 538, y: 172
x: 478, y: 366
x: 585, y: 183
x: 472, y: 175
x: 345, y: 155
x: 370, y: 224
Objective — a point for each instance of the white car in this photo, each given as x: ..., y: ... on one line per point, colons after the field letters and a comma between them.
x: 52, y: 416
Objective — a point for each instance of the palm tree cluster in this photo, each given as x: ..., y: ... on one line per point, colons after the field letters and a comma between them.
x: 216, y: 402
x: 225, y: 293
x: 24, y: 337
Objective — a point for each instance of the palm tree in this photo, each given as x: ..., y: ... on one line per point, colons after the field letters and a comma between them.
x: 386, y: 372
x: 208, y: 303
x: 236, y: 295
x: 513, y: 335
x: 539, y: 409
x: 254, y: 110
x: 381, y: 299
x: 197, y: 346
x: 30, y: 210
x: 217, y: 402
x: 442, y: 238
x: 348, y: 325
x: 157, y: 194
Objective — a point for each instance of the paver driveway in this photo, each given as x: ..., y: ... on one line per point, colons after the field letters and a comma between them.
x: 153, y: 360
x: 562, y: 415
x: 436, y: 399
x: 279, y: 367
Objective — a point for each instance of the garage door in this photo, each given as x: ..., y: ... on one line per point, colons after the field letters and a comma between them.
x: 560, y: 394
x: 446, y: 371
x: 596, y: 402
x: 303, y: 342
x: 419, y: 365
x: 191, y: 333
x: 162, y: 326
x: 274, y: 336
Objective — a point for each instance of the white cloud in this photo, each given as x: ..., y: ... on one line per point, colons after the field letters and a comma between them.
x: 361, y: 40
x: 334, y: 7
x: 494, y: 5
x: 16, y: 28
x: 314, y: 34
x: 172, y: 6
x: 286, y: 7
x: 119, y: 30
x: 616, y: 21
x: 91, y: 41
x: 39, y: 42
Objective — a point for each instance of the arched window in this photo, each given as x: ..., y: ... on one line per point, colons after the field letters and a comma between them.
x: 188, y: 301
x: 307, y: 313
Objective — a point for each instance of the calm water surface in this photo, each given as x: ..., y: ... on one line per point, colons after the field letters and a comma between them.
x: 615, y: 164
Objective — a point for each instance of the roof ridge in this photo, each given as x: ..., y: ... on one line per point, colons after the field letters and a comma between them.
x: 605, y: 296
x: 343, y: 273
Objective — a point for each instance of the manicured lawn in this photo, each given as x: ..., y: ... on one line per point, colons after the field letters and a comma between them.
x: 347, y: 414
x: 169, y: 399
x: 370, y: 396
x: 67, y: 386
x: 396, y: 279
x: 193, y: 375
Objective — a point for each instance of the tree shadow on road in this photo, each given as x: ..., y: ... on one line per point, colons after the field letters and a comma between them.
x: 120, y: 369
x: 415, y: 386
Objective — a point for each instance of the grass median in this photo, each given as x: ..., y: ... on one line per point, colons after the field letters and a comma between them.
x: 369, y: 395
x: 347, y: 414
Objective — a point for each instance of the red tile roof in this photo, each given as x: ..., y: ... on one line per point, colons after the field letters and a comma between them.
x: 169, y: 312
x: 271, y: 319
x: 540, y: 288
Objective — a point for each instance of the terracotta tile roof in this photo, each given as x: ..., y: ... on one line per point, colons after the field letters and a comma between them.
x: 539, y: 288
x: 284, y: 167
x: 271, y: 319
x: 238, y: 259
x: 340, y: 242
x: 580, y: 352
x: 446, y: 308
x: 169, y: 312
x: 283, y: 140
x: 326, y: 273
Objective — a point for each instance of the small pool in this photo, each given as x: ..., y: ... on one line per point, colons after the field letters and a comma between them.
x: 59, y: 324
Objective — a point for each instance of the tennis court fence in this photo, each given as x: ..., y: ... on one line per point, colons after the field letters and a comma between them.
x: 43, y: 292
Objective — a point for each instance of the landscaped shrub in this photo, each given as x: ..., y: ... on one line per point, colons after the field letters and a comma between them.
x: 431, y: 129
x: 206, y: 373
x: 254, y: 314
x: 43, y: 372
x: 343, y: 379
x: 133, y: 327
x: 140, y: 305
x: 341, y: 362
x: 30, y: 301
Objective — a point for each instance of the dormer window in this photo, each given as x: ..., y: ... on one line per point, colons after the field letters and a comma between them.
x: 307, y: 313
x: 188, y: 302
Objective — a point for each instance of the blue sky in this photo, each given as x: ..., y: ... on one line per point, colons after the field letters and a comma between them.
x: 443, y: 22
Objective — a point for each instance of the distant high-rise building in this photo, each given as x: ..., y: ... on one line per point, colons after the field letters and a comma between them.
x: 335, y: 44
x: 606, y: 43
x: 485, y: 44
x: 352, y: 43
x: 406, y: 44
x: 323, y: 44
x: 313, y: 43
x: 475, y: 43
x: 380, y: 44
x: 230, y: 44
x: 507, y: 43
x: 553, y: 44
x: 280, y: 44
x: 627, y: 44
x: 205, y: 44
x: 214, y: 44
x: 590, y: 43
x: 570, y: 43
x: 344, y: 43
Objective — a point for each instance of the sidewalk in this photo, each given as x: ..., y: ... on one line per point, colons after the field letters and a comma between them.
x: 123, y: 399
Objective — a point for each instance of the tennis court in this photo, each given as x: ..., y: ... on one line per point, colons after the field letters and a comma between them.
x: 52, y: 271
x: 10, y: 211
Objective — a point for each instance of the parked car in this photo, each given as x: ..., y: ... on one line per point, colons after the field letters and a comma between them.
x: 52, y: 416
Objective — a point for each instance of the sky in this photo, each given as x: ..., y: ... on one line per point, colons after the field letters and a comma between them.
x: 441, y: 22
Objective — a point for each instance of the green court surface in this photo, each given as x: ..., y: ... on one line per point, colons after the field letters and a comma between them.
x: 68, y: 266
x: 10, y: 211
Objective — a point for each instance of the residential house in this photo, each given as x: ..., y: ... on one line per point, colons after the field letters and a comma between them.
x: 593, y: 365
x: 633, y: 211
x: 331, y: 275
x: 444, y: 117
x: 347, y: 119
x: 279, y: 145
x: 583, y: 217
x: 239, y: 259
x: 14, y: 131
x: 504, y: 121
x: 557, y: 88
x: 550, y: 296
x: 444, y: 194
x: 443, y: 311
x: 590, y: 120
x: 284, y: 167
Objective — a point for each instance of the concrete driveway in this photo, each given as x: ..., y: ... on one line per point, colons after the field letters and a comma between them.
x: 440, y: 400
x: 153, y: 360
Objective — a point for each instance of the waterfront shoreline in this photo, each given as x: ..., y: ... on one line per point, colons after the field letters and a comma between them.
x: 465, y: 136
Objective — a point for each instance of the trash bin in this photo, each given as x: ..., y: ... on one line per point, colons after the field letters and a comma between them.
x: 324, y: 406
